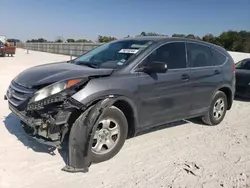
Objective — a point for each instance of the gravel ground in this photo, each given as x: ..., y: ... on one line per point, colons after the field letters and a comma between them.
x: 189, y: 155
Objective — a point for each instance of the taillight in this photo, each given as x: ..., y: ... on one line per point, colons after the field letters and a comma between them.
x: 234, y: 68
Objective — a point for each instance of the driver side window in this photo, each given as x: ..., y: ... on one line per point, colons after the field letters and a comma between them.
x: 172, y: 54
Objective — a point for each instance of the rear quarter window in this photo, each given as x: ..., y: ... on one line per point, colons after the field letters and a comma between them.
x: 218, y: 58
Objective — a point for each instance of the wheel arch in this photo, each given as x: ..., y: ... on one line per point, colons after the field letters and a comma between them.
x: 229, y: 94
x: 128, y: 107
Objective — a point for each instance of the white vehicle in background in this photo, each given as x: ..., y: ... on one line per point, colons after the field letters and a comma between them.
x: 3, y: 39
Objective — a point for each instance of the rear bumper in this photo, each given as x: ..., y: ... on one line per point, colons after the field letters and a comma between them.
x: 10, y: 50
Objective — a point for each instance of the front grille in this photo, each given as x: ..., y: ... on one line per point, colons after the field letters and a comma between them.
x: 17, y: 95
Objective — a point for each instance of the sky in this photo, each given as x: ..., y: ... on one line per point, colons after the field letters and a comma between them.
x: 49, y: 19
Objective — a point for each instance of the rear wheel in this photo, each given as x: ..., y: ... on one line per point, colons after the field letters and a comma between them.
x: 217, y: 110
x: 110, y: 135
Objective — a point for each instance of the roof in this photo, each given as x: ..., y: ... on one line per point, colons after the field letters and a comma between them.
x: 153, y: 38
x: 163, y: 39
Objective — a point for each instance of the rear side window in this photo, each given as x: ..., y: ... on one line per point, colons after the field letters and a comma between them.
x: 173, y: 54
x: 199, y: 55
x: 218, y: 58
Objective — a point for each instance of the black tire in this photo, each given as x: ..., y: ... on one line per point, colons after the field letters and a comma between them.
x: 116, y: 114
x: 209, y: 118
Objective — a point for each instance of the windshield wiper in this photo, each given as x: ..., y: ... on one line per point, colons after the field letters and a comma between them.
x: 88, y: 64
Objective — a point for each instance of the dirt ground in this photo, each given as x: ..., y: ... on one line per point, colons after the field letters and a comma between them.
x: 188, y: 155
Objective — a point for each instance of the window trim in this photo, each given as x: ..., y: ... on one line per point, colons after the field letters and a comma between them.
x: 157, y: 47
x: 210, y: 47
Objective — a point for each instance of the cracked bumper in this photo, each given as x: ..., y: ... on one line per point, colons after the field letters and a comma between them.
x: 42, y: 129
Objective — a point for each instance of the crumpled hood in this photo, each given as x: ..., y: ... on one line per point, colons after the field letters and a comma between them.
x: 53, y: 72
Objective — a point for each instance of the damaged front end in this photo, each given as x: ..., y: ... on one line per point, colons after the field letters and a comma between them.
x: 49, y: 120
x: 46, y: 120
x: 82, y: 134
x: 50, y: 125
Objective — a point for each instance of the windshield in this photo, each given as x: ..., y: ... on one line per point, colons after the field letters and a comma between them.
x: 238, y: 65
x: 113, y: 54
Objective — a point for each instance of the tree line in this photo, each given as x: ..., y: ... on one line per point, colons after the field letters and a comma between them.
x: 230, y: 40
x: 100, y: 39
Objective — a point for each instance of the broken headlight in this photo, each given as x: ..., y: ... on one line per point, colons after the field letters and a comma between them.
x: 54, y: 89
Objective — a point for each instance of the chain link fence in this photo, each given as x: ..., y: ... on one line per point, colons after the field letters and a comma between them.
x: 74, y: 49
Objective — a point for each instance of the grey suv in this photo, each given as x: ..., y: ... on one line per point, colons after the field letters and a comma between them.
x: 119, y: 89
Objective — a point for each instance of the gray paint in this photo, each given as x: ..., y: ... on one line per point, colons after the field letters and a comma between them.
x: 50, y: 73
x: 157, y: 98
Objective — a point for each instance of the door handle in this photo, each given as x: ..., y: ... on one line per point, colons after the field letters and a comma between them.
x: 185, y: 77
x: 216, y: 72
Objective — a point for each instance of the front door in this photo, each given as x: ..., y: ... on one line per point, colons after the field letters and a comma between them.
x: 164, y: 97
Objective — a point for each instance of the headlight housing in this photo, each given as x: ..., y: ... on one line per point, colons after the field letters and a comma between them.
x: 54, y: 89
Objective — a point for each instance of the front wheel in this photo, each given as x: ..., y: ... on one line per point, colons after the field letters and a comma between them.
x: 217, y: 109
x: 110, y: 135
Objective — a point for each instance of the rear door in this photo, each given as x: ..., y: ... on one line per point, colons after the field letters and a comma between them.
x: 243, y: 77
x: 164, y: 97
x: 205, y: 77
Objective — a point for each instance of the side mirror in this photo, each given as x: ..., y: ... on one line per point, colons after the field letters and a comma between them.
x: 153, y: 67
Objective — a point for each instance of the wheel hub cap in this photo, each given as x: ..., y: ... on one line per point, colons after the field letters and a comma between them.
x: 106, y: 136
x: 218, y: 108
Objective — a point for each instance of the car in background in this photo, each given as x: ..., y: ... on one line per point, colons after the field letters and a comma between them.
x: 10, y: 49
x: 7, y: 49
x: 2, y: 49
x: 243, y: 78
x: 144, y: 81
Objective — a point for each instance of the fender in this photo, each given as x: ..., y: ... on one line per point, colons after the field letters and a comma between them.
x: 228, y: 87
x: 116, y: 98
x: 82, y: 135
